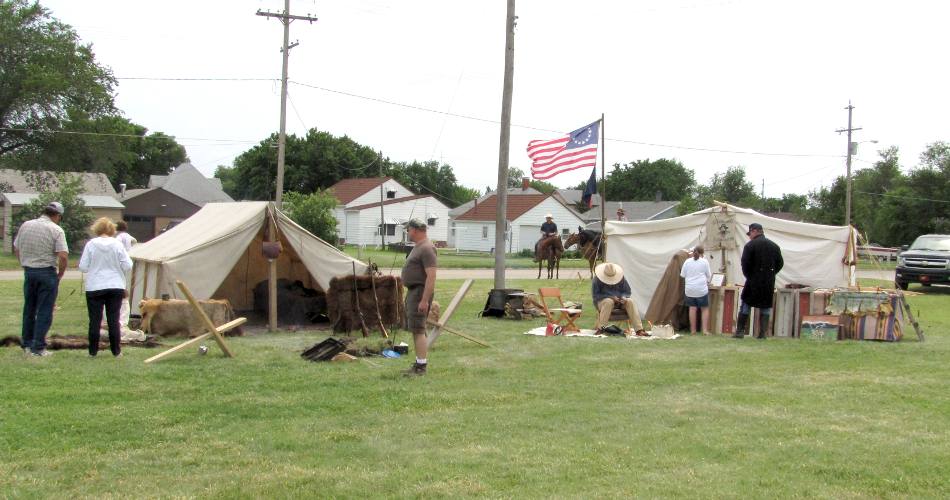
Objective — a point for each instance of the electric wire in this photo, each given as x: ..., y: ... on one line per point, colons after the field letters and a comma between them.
x: 492, y: 121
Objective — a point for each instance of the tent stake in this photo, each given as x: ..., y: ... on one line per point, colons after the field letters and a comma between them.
x: 212, y: 330
x: 434, y: 333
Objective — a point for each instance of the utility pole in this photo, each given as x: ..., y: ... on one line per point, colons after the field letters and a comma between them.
x: 847, y: 199
x: 382, y: 213
x: 501, y: 211
x: 286, y: 18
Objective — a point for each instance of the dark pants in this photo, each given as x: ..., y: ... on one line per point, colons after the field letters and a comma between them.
x: 112, y: 300
x: 40, y: 286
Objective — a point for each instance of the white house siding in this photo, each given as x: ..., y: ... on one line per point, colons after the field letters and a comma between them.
x: 525, y: 229
x: 351, y: 227
x: 469, y: 235
x: 372, y: 196
x: 532, y: 219
x: 362, y: 224
x: 340, y: 217
x: 528, y: 235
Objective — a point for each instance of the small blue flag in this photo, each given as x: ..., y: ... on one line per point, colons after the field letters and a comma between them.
x: 591, y: 189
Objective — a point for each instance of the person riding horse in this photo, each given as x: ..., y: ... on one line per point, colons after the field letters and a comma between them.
x: 548, y: 229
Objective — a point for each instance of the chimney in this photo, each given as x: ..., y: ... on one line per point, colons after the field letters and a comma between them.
x: 525, y: 183
x: 122, y: 190
x: 659, y: 196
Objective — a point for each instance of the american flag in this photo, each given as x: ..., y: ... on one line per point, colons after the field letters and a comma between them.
x: 576, y: 150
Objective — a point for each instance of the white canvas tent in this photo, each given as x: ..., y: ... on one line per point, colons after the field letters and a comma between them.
x: 814, y: 254
x: 217, y: 252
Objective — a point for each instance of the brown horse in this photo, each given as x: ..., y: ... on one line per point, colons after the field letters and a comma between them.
x: 550, y: 249
x: 589, y: 244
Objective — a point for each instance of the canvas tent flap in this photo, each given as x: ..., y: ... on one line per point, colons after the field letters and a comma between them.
x: 202, y: 251
x: 813, y: 253
x: 324, y: 261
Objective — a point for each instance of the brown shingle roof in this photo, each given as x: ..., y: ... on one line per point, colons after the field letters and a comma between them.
x: 348, y: 190
x: 390, y: 202
x: 518, y: 204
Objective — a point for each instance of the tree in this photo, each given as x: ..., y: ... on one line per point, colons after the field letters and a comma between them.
x: 318, y: 160
x: 868, y: 188
x: 641, y: 180
x: 516, y: 176
x: 729, y: 187
x: 112, y: 145
x: 314, y: 212
x: 45, y: 73
x: 65, y: 189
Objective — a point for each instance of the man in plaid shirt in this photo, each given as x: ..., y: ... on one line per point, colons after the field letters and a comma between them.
x: 40, y: 244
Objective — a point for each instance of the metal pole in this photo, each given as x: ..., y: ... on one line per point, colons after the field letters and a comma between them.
x: 603, y: 193
x: 504, y: 143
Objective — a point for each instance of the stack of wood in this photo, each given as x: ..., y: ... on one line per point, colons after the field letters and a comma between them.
x: 364, y: 303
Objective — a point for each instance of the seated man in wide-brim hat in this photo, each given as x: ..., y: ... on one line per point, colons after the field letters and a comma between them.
x: 611, y: 290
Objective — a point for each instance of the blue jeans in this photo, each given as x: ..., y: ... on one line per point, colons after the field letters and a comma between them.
x: 40, y: 286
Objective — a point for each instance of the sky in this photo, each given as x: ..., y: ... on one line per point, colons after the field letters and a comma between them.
x: 760, y: 84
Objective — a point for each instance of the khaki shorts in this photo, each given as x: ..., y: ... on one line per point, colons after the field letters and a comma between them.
x: 415, y: 322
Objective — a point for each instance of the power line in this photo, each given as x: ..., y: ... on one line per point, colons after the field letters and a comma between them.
x: 223, y: 79
x: 902, y: 197
x: 527, y: 127
x: 487, y: 120
x: 106, y: 134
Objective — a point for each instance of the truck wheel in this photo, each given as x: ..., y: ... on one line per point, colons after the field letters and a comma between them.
x: 902, y: 285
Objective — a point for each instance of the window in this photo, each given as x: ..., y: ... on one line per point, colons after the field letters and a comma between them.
x: 566, y: 232
x: 390, y: 194
x: 484, y: 232
x: 390, y: 230
x: 431, y: 221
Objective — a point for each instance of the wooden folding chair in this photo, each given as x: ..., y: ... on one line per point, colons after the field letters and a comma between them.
x: 566, y: 315
x: 620, y: 314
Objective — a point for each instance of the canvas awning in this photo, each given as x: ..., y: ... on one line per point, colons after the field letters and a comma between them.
x: 815, y: 255
x: 219, y: 248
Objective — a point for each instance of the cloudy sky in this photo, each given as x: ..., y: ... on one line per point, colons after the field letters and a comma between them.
x: 713, y: 83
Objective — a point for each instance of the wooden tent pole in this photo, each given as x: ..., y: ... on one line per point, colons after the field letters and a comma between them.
x: 272, y: 274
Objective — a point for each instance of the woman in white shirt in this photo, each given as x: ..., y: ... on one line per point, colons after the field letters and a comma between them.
x: 105, y: 262
x: 697, y: 274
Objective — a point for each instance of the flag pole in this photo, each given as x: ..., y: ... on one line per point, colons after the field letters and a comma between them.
x: 603, y: 192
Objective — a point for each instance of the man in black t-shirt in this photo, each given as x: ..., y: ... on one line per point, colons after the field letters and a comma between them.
x: 548, y: 229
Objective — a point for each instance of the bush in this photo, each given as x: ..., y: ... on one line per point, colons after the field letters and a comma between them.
x: 314, y: 212
x: 65, y: 189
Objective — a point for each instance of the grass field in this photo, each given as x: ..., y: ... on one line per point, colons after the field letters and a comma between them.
x: 448, y: 259
x: 531, y: 417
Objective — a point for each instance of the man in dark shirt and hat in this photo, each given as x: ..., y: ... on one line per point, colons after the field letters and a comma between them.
x: 418, y: 274
x: 548, y: 229
x: 761, y: 261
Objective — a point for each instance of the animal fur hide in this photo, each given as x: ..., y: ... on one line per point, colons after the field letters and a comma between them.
x: 341, y: 302
x: 57, y: 342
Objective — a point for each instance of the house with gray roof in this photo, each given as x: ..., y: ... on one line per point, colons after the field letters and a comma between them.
x: 168, y: 200
x: 18, y: 188
x: 633, y: 210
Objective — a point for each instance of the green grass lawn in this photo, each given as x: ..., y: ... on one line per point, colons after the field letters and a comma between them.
x: 448, y: 259
x: 9, y: 262
x: 532, y: 417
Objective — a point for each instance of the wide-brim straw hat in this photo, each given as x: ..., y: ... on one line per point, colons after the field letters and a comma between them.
x: 609, y: 273
x: 548, y: 216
